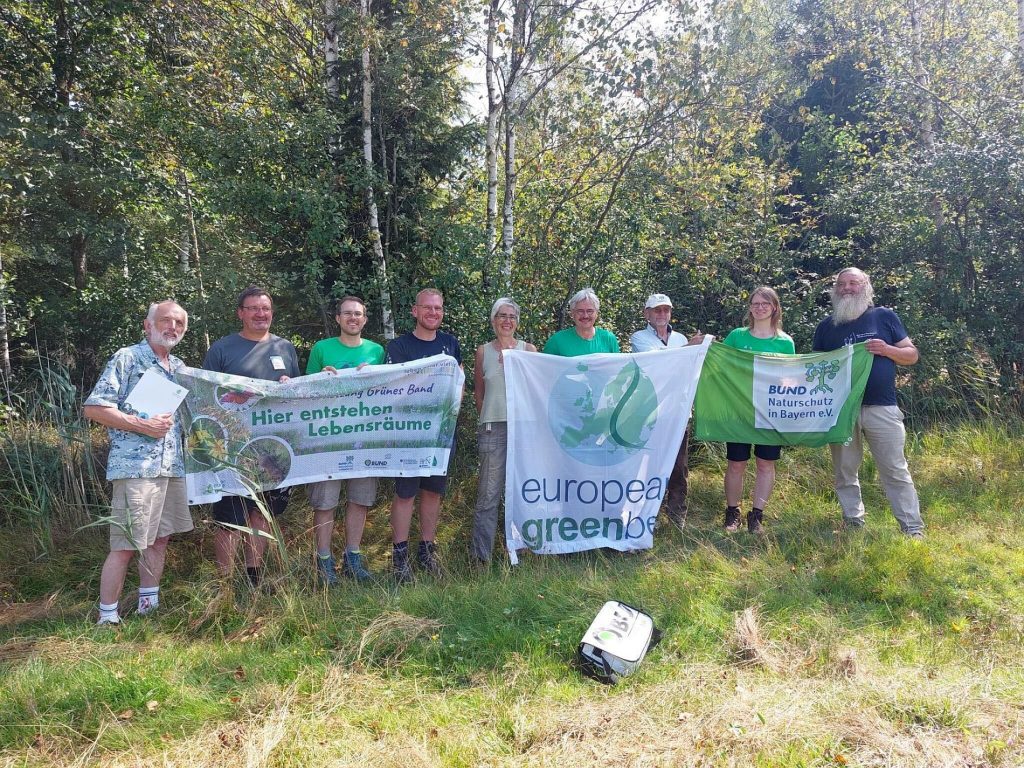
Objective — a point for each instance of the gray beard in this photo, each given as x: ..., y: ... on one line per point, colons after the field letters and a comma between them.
x: 157, y: 338
x: 846, y: 309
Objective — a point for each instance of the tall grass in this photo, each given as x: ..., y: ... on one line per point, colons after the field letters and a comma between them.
x: 805, y: 647
x: 49, y: 476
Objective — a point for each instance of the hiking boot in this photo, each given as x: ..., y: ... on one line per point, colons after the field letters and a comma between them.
x: 428, y: 561
x: 326, y: 571
x: 354, y: 567
x: 401, y: 568
x: 732, y: 519
x: 754, y: 518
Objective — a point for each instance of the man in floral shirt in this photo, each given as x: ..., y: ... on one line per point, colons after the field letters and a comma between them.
x: 146, y: 466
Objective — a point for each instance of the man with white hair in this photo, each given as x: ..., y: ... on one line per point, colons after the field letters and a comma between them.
x: 856, y: 319
x: 146, y: 464
x: 584, y: 338
x: 659, y: 336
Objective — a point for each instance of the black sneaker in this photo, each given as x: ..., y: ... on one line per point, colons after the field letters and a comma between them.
x: 428, y: 561
x: 401, y: 568
x: 754, y: 518
x: 732, y: 519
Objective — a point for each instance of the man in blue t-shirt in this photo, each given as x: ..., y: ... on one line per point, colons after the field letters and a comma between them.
x: 425, y: 340
x: 855, y: 319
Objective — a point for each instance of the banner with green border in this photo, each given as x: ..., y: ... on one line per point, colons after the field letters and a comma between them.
x: 383, y: 420
x: 746, y: 397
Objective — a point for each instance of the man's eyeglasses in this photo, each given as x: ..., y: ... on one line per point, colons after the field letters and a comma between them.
x: 351, y: 313
x: 257, y: 309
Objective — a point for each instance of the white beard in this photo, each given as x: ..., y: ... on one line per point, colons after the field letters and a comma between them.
x: 846, y: 309
x: 157, y: 338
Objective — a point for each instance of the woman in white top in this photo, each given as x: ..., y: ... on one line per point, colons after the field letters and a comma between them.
x: 492, y: 432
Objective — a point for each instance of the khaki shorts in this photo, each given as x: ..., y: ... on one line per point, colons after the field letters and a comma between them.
x: 146, y: 509
x: 361, y: 490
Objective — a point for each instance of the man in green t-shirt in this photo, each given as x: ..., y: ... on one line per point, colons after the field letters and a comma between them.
x: 584, y: 338
x: 348, y: 350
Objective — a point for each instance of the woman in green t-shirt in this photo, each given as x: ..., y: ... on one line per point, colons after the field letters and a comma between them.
x: 762, y: 333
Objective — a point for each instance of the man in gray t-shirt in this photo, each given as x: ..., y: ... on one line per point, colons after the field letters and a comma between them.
x: 257, y: 353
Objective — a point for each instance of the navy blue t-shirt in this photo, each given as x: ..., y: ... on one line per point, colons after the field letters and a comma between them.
x: 876, y: 323
x: 408, y: 347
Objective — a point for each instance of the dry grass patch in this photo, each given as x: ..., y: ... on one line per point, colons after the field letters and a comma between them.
x: 751, y: 647
x: 12, y: 614
x: 706, y: 715
x: 398, y: 631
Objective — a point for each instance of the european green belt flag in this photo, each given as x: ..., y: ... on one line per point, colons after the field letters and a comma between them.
x: 747, y: 397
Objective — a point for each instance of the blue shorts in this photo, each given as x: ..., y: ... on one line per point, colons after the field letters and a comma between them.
x: 235, y: 509
x: 408, y: 487
x: 741, y: 452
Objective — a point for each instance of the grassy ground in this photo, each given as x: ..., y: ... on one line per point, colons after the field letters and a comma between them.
x: 859, y: 649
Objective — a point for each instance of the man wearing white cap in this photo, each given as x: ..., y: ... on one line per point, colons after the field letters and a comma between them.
x: 658, y: 335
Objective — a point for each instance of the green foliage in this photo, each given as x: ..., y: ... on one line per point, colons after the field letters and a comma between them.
x: 190, y: 148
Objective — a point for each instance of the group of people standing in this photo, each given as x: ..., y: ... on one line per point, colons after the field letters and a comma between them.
x: 146, y: 464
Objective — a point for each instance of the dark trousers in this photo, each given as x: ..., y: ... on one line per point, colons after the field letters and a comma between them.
x: 677, y: 482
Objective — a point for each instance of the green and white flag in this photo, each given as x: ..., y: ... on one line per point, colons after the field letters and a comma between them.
x: 381, y: 421
x: 746, y: 397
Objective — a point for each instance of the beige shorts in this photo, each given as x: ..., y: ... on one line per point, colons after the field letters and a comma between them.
x: 146, y: 509
x: 361, y: 490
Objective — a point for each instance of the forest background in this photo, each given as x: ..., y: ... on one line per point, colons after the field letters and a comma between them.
x: 192, y: 147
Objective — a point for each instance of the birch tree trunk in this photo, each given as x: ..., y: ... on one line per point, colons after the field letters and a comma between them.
x: 493, y: 109
x: 512, y: 114
x: 332, y: 81
x: 380, y: 263
x: 926, y: 120
x: 1020, y: 34
x: 5, y: 349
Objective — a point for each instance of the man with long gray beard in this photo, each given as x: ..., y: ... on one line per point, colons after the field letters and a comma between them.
x: 146, y: 463
x: 856, y: 319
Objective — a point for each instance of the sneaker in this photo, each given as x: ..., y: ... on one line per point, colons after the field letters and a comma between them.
x: 353, y: 565
x: 109, y: 622
x: 326, y: 573
x: 732, y: 519
x: 146, y: 607
x: 401, y: 568
x: 754, y: 518
x: 428, y: 561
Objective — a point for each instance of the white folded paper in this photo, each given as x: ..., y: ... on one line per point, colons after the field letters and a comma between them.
x: 155, y: 394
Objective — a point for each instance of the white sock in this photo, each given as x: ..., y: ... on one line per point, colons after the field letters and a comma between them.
x: 149, y: 600
x: 108, y: 614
